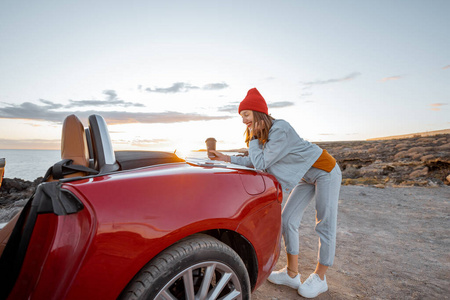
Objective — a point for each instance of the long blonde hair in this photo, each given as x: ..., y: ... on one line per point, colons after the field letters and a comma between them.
x: 263, y: 133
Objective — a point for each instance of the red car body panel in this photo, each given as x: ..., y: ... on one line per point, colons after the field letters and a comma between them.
x: 131, y: 216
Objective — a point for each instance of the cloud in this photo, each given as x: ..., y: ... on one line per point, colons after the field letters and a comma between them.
x: 139, y: 141
x: 177, y: 87
x: 51, y: 104
x: 112, y: 95
x: 31, y: 111
x: 183, y: 87
x: 111, y: 100
x: 446, y: 67
x: 84, y: 103
x: 48, y: 112
x: 437, y: 106
x: 215, y: 86
x: 391, y: 78
x: 346, y: 78
x: 147, y: 142
x: 232, y: 108
x: 30, y: 144
x: 280, y: 104
x: 119, y: 117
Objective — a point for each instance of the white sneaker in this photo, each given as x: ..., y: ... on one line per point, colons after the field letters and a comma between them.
x: 313, y: 286
x: 282, y: 277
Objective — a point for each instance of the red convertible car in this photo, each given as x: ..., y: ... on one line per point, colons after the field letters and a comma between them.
x: 140, y: 225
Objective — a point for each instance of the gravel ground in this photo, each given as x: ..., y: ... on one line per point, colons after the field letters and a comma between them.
x: 392, y: 243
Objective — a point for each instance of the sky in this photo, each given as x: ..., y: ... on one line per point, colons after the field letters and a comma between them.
x: 166, y: 75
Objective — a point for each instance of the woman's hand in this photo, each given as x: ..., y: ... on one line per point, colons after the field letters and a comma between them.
x: 219, y: 156
x: 255, y: 129
x: 257, y: 126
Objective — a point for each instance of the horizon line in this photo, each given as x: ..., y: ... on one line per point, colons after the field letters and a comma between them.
x: 400, y: 136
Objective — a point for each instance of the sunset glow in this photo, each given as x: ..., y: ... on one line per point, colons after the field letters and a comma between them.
x: 168, y: 75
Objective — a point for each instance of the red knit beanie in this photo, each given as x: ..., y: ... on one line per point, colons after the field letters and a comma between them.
x: 254, y: 101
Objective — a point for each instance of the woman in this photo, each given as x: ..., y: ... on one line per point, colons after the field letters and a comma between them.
x: 305, y: 171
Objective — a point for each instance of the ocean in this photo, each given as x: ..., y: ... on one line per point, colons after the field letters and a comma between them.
x: 28, y: 164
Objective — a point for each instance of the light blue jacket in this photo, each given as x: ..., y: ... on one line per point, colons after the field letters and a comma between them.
x: 285, y: 155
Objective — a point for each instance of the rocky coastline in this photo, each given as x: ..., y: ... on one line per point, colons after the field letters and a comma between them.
x: 17, y: 189
x: 14, y: 193
x: 415, y: 161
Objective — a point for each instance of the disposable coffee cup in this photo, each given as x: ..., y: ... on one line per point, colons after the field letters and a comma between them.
x: 210, y: 145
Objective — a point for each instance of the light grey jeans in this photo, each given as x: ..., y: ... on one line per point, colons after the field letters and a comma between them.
x: 324, y: 187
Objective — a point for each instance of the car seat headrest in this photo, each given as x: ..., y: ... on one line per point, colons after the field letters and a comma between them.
x: 73, y: 141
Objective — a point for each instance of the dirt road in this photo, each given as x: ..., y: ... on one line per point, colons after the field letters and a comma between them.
x: 392, y: 243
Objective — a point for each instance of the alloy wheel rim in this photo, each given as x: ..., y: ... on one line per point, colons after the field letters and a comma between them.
x: 206, y: 280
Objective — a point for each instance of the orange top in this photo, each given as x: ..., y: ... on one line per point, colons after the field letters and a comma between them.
x: 325, y: 162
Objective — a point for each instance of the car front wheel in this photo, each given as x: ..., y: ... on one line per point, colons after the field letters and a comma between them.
x: 199, y: 267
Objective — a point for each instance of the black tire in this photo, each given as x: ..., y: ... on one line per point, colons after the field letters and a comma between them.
x: 198, y: 267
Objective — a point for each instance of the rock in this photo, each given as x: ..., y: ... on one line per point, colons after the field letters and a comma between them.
x: 427, y: 157
x: 415, y: 161
x: 433, y: 182
x: 419, y: 173
x: 351, y: 172
x: 16, y: 189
